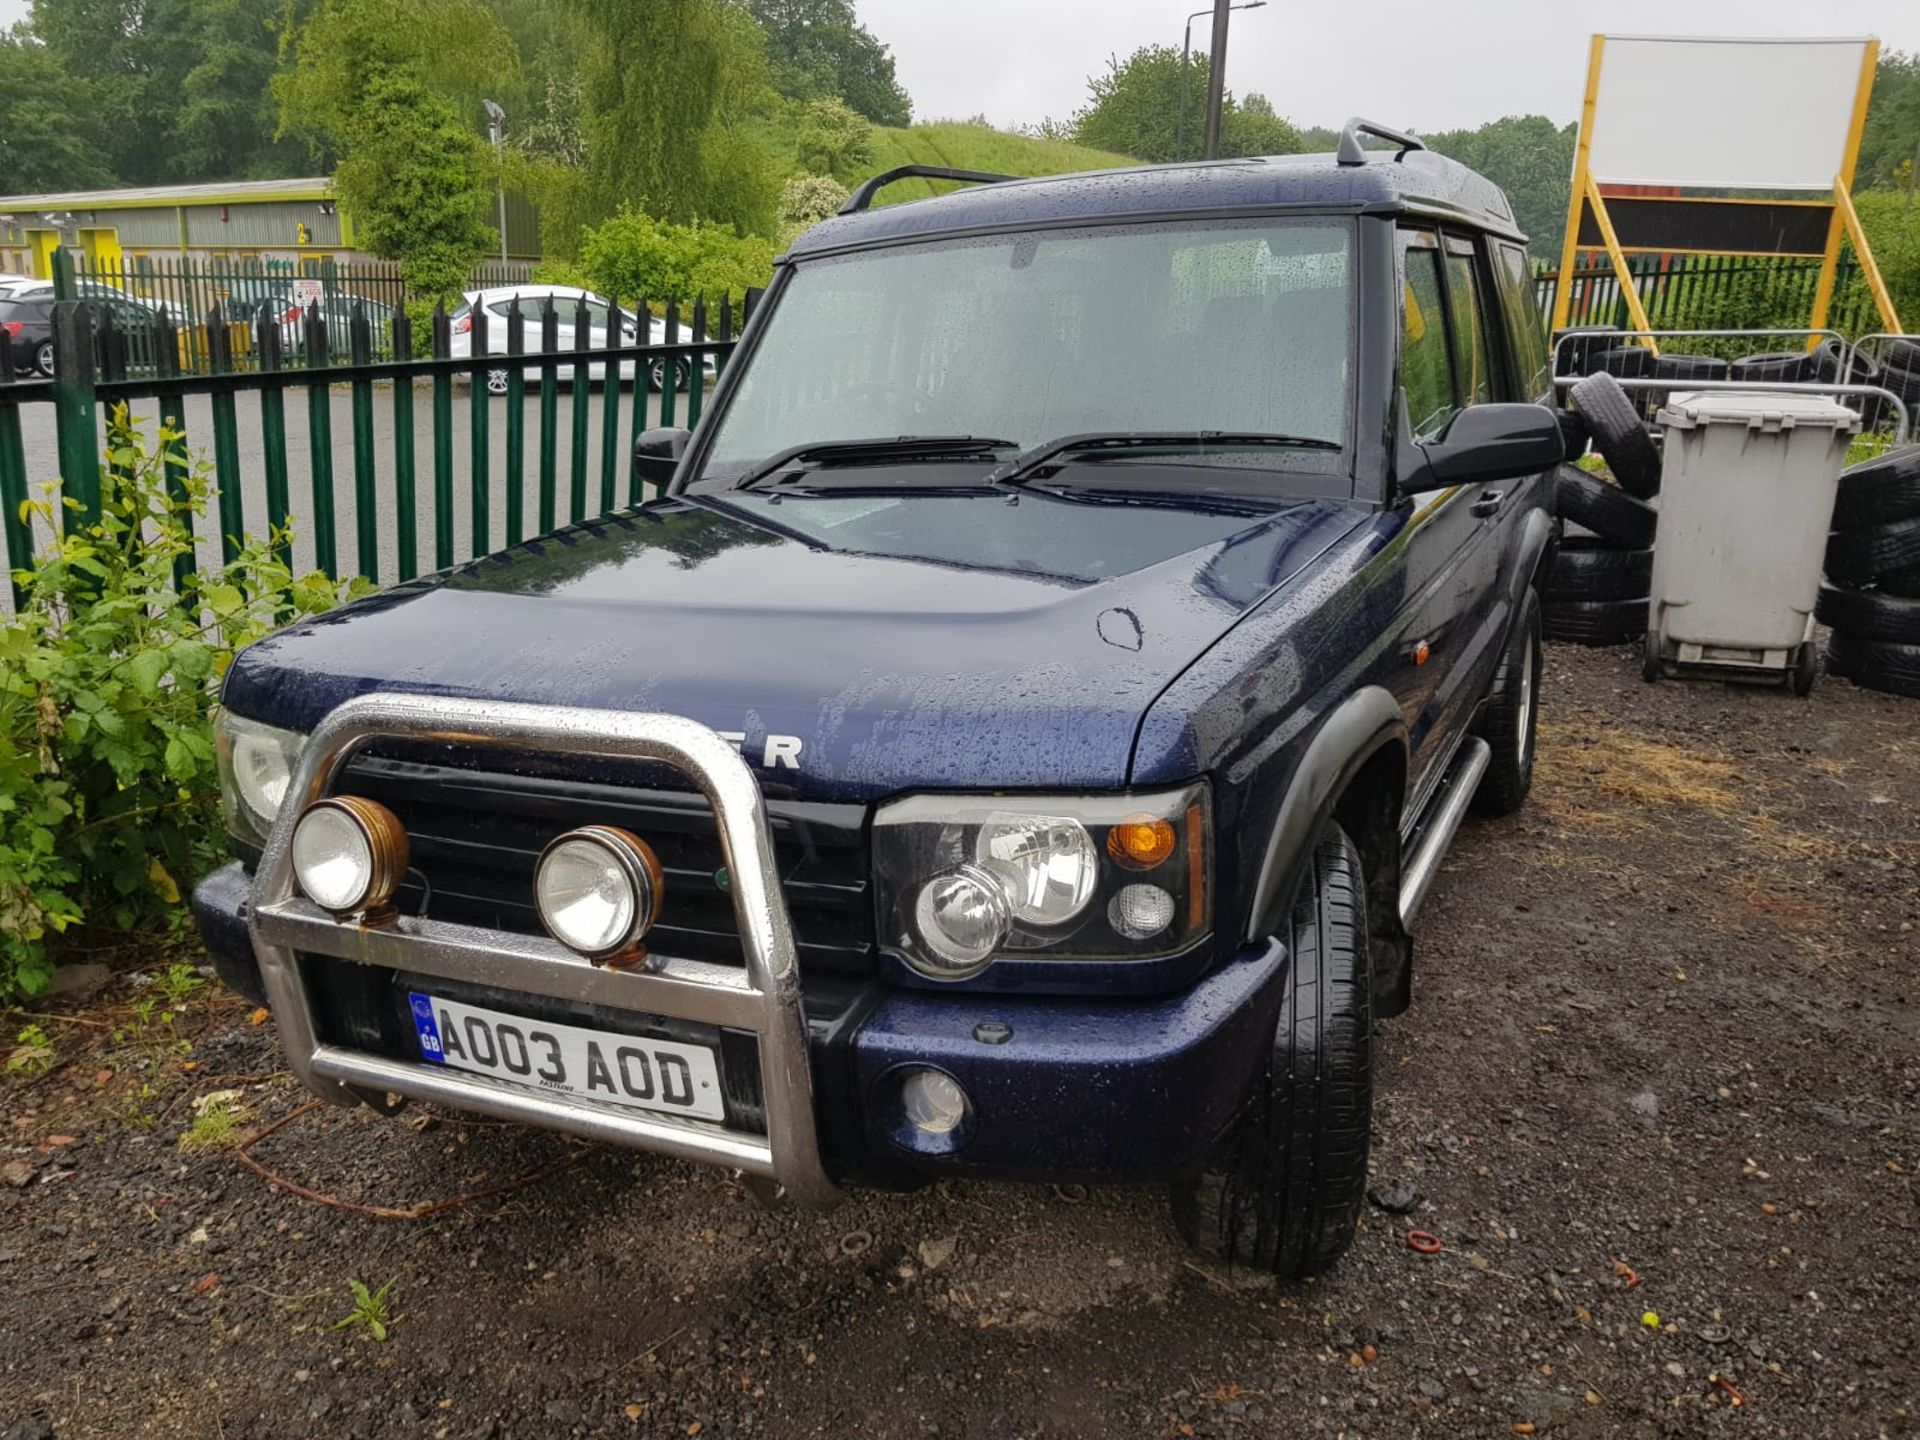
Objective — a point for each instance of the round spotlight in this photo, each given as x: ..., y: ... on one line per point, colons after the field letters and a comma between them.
x: 933, y: 1100
x: 1139, y: 912
x: 349, y: 854
x: 598, y: 890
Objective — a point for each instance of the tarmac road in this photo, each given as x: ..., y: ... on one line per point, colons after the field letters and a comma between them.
x: 37, y: 428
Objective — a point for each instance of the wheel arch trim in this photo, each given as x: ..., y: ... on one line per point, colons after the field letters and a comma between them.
x: 1358, y: 729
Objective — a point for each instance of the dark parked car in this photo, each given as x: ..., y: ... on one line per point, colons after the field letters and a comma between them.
x: 28, y: 326
x: 1018, y: 744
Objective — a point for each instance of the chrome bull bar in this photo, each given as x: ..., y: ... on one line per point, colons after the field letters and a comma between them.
x: 764, y: 998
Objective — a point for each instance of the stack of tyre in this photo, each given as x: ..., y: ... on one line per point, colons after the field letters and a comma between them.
x: 1871, y: 597
x: 1599, y: 585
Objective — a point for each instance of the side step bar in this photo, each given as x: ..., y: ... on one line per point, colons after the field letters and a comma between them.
x: 1444, y: 814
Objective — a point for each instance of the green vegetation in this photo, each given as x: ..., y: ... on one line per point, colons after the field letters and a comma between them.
x: 216, y: 1126
x: 634, y: 256
x: 32, y: 1052
x: 369, y: 1309
x: 818, y: 50
x: 1890, y: 146
x: 970, y: 145
x: 108, y: 785
x: 1135, y: 109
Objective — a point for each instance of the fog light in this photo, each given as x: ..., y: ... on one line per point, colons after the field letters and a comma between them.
x: 598, y: 890
x: 349, y: 854
x: 934, y: 1102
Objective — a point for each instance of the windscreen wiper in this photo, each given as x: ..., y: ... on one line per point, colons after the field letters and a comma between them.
x: 903, y: 448
x: 1024, y: 467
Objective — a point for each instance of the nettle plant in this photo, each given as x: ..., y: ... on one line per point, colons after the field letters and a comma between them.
x: 108, y: 787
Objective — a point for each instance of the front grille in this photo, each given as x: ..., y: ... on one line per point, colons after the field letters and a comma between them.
x: 476, y: 836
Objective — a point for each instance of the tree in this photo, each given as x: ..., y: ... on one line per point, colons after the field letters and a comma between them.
x: 179, y: 87
x: 817, y: 50
x: 1136, y: 107
x: 1530, y: 158
x: 634, y: 256
x: 1893, y: 121
x: 414, y: 173
x: 52, y: 137
x: 806, y: 200
x: 684, y: 150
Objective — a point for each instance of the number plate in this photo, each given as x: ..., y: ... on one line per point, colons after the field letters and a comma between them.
x: 593, y: 1064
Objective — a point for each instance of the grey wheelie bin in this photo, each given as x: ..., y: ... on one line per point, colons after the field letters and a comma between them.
x: 1746, y: 499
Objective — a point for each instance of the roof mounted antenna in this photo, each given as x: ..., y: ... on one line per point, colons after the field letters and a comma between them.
x: 1351, y: 151
x: 863, y: 197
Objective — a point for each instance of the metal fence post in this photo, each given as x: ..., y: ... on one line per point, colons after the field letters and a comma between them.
x: 76, y: 418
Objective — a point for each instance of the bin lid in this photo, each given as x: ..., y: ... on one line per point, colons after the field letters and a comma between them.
x: 1766, y: 408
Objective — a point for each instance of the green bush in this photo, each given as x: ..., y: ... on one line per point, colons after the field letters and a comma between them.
x: 633, y: 255
x: 109, y: 799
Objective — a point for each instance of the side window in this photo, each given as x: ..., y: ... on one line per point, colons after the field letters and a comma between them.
x: 1472, y: 360
x: 1426, y: 370
x: 1524, y: 330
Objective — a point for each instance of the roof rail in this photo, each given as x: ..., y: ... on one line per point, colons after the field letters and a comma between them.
x: 1353, y: 153
x: 862, y: 198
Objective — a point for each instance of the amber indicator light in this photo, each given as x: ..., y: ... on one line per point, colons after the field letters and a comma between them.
x: 1140, y: 842
x: 1421, y: 652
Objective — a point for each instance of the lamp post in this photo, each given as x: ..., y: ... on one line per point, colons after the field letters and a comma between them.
x: 496, y: 132
x: 1186, y: 53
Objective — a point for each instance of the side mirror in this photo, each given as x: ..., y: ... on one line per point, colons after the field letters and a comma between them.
x: 657, y: 452
x: 1492, y: 442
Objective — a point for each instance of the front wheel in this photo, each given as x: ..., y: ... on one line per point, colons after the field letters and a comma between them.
x: 1283, y: 1192
x: 1511, y: 718
x: 43, y: 358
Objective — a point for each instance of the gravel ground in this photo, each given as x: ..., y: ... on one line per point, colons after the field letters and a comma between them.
x: 1657, y: 1098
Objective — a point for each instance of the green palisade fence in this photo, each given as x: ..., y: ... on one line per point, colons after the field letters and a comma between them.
x: 356, y: 488
x: 1702, y: 292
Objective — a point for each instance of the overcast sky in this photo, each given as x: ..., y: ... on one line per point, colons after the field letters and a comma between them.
x: 1431, y: 66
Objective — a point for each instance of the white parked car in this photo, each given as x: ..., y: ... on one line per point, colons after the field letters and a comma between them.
x: 499, y: 305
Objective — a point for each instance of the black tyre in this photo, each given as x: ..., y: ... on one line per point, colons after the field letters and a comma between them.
x: 1618, y: 434
x: 1578, y: 349
x: 1875, y: 664
x: 1606, y: 510
x: 43, y: 358
x: 1574, y: 431
x: 1904, y: 354
x: 682, y: 375
x: 1904, y: 583
x: 1597, y: 622
x: 1595, y: 570
x: 1875, y: 491
x: 1779, y: 366
x: 1689, y: 367
x: 1862, y: 556
x: 1509, y: 720
x: 1283, y: 1192
x: 1625, y: 362
x: 1870, y: 614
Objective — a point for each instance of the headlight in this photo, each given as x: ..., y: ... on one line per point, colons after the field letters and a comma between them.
x: 964, y: 880
x: 256, y: 767
x: 598, y: 891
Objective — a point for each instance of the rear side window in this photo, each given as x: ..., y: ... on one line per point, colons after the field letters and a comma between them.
x: 1426, y: 369
x: 1472, y: 361
x: 1525, y: 333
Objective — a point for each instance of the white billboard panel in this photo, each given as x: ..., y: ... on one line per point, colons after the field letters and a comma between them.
x: 1724, y: 114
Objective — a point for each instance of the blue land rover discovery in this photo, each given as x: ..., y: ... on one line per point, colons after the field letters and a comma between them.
x: 1018, y: 743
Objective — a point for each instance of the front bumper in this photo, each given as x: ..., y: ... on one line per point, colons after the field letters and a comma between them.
x: 1061, y: 1087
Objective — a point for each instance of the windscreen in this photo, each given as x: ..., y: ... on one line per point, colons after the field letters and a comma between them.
x: 1029, y: 337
